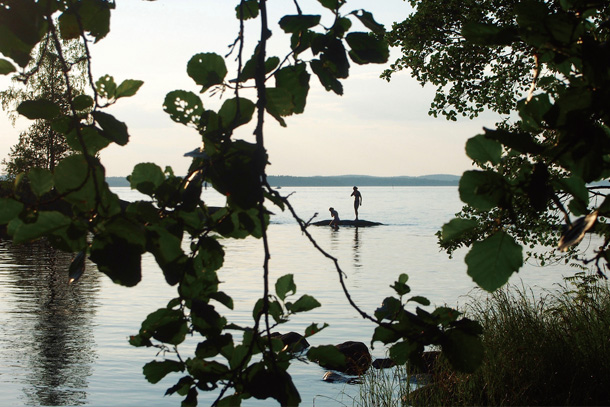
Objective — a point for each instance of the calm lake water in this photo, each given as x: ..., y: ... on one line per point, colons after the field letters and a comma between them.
x: 67, y: 345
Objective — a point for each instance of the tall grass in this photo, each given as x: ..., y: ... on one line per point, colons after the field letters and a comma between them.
x: 549, y: 349
x: 552, y: 349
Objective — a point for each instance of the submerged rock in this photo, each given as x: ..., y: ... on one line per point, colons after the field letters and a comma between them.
x: 336, y: 377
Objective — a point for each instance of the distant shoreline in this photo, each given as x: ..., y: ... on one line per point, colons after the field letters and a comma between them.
x: 341, y: 181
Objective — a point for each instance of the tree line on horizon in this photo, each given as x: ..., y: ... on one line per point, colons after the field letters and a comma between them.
x: 339, y: 181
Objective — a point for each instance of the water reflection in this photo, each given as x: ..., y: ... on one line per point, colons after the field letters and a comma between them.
x: 47, y: 345
x: 356, y: 246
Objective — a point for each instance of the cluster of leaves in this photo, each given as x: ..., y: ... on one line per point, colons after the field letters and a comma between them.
x: 469, y: 77
x: 73, y: 207
x: 41, y: 146
x: 545, y: 170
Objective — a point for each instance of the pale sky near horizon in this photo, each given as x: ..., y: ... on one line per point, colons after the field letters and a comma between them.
x: 376, y: 128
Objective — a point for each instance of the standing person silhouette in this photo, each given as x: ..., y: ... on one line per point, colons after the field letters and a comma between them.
x: 335, y: 222
x: 357, y: 200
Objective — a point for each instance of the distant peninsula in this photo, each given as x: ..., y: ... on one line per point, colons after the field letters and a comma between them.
x: 436, y: 180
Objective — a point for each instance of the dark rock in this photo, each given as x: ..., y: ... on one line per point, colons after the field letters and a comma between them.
x: 383, y: 363
x: 334, y: 377
x: 293, y: 342
x: 356, y: 223
x: 357, y: 358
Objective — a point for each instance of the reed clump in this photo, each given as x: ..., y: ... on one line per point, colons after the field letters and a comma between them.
x: 549, y: 349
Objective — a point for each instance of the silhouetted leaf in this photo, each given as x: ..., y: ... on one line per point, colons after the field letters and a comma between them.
x: 146, y: 178
x: 366, y: 48
x: 327, y: 356
x: 106, y: 87
x: 401, y: 351
x: 464, y: 351
x: 456, y: 228
x: 400, y: 286
x: 327, y: 79
x: 41, y: 181
x: 305, y: 303
x: 46, y: 223
x: 236, y: 112
x: 247, y: 9
x: 389, y: 309
x: 155, y: 371
x: 183, y: 106
x: 483, y: 190
x: 165, y: 325
x: 420, y: 300
x: 77, y: 267
x: 285, y: 286
x: 492, y: 261
x: 90, y: 136
x: 112, y: 128
x: 9, y: 208
x: 207, y: 70
x: 298, y: 23
x: 6, y: 67
x: 331, y: 4
x: 118, y: 259
x: 82, y: 102
x: 38, y: 109
x: 295, y: 79
x: 128, y: 87
x: 369, y: 22
x: 482, y: 149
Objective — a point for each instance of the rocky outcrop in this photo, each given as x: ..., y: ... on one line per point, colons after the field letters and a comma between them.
x: 355, y: 223
x: 357, y: 358
x: 293, y: 342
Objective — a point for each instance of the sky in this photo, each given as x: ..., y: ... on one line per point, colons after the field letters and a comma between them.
x: 376, y: 128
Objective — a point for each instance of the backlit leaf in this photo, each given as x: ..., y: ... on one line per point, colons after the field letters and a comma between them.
x: 9, y: 208
x: 207, y: 70
x: 456, y: 228
x: 305, y: 303
x: 483, y: 190
x: 236, y: 112
x: 46, y: 223
x: 482, y: 149
x: 41, y: 180
x: 155, y: 371
x: 113, y: 129
x: 38, y: 109
x: 366, y: 48
x: 6, y: 67
x: 369, y: 22
x: 298, y: 23
x: 295, y: 79
x: 106, y: 87
x: 464, y: 351
x: 183, y: 106
x: 492, y: 261
x: 146, y: 177
x: 247, y: 9
x: 128, y: 87
x: 285, y: 286
x: 82, y: 102
x: 327, y: 356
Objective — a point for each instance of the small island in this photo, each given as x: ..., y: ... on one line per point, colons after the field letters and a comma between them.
x: 357, y: 223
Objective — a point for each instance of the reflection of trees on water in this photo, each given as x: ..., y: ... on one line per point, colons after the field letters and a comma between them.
x: 47, y: 337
